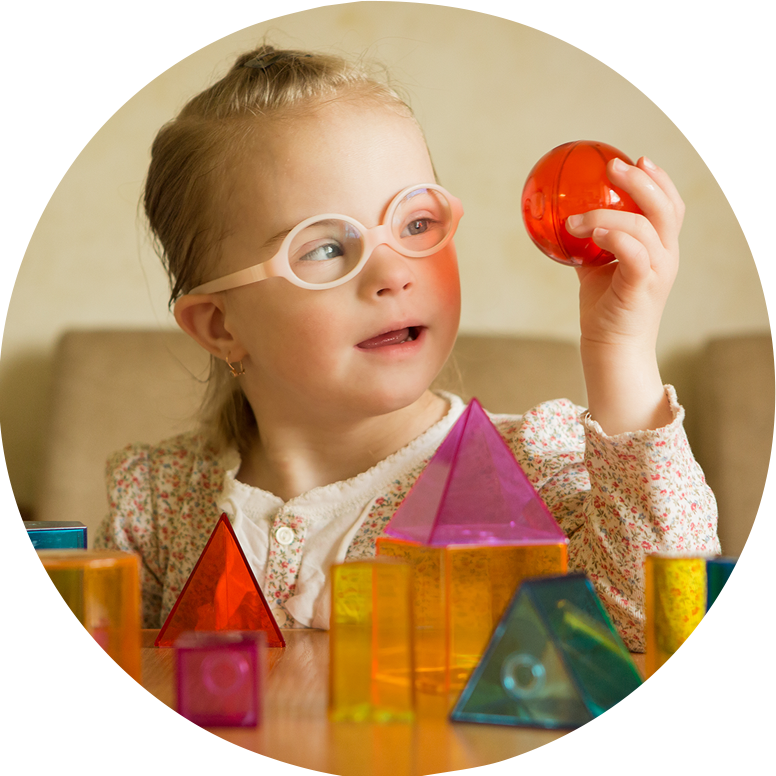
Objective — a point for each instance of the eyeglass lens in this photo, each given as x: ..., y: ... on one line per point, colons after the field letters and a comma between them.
x: 329, y: 249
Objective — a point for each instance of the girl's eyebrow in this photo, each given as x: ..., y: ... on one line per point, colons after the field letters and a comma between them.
x: 276, y: 238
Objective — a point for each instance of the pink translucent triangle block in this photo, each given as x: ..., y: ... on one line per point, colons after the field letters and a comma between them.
x: 473, y: 491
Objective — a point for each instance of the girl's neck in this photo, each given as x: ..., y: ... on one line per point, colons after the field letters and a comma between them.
x: 290, y: 458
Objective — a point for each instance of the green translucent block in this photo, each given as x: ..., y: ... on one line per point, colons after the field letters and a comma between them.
x: 554, y: 661
x: 370, y: 643
x: 741, y: 641
x: 42, y: 535
x: 24, y: 719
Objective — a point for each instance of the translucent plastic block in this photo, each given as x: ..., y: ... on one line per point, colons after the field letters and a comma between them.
x: 459, y: 594
x: 219, y: 677
x: 554, y: 661
x: 370, y: 638
x: 56, y: 534
x: 75, y: 615
x: 473, y: 491
x: 24, y: 719
x: 741, y: 641
x: 568, y: 180
x: 675, y: 604
x: 221, y: 594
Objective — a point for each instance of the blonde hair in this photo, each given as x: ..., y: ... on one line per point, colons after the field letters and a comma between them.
x: 186, y: 185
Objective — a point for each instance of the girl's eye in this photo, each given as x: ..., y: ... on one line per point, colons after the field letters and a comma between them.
x: 323, y: 253
x: 417, y: 226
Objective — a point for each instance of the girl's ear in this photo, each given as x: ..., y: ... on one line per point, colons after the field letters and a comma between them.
x: 201, y: 316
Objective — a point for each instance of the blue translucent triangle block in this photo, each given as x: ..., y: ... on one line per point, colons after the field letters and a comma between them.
x: 554, y: 661
x: 473, y: 491
x: 42, y: 535
x: 741, y: 640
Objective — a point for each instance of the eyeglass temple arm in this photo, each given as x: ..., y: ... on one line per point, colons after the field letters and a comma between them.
x: 240, y: 278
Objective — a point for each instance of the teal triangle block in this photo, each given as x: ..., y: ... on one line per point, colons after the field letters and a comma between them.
x: 554, y: 660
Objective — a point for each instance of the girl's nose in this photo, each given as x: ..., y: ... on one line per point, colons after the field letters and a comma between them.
x: 386, y: 272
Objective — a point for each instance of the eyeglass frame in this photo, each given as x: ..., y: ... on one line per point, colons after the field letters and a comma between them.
x: 382, y: 234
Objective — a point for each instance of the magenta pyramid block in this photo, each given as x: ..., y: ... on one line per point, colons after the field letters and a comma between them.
x: 473, y: 491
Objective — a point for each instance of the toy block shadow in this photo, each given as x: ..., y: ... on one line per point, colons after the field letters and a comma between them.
x: 554, y: 661
x: 221, y: 594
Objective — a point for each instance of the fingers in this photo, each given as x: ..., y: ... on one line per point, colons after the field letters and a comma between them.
x: 629, y: 236
x: 635, y: 262
x: 666, y: 184
x: 654, y: 192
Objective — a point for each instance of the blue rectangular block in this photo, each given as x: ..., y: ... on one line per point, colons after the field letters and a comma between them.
x: 42, y: 535
x: 741, y: 641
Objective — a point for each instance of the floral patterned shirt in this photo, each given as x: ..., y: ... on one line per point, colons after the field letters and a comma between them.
x: 616, y: 498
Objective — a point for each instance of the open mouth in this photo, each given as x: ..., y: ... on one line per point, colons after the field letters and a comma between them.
x: 397, y: 337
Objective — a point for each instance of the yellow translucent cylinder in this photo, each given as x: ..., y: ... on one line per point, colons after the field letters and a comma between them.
x: 370, y: 642
x: 459, y: 595
x: 75, y: 615
x: 675, y: 604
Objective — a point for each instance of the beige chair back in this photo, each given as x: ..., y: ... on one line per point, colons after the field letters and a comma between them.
x: 734, y: 401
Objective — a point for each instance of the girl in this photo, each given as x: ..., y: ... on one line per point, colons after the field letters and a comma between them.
x: 311, y: 252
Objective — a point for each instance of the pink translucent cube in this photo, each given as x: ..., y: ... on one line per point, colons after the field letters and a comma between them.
x: 219, y: 676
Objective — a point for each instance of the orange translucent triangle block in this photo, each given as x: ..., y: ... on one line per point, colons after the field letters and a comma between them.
x: 221, y: 594
x: 473, y: 491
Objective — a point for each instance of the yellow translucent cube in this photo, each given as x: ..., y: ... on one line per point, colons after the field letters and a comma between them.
x: 459, y: 594
x: 675, y: 604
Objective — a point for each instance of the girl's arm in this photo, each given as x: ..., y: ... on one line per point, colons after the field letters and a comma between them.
x: 621, y: 303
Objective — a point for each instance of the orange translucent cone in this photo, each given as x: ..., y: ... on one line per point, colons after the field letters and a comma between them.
x: 221, y: 594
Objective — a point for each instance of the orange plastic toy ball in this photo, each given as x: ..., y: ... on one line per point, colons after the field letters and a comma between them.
x: 571, y: 179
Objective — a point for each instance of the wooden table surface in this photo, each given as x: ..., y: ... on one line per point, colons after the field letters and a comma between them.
x: 296, y: 738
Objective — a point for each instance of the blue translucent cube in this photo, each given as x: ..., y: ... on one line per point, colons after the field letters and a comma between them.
x: 741, y: 641
x: 42, y: 535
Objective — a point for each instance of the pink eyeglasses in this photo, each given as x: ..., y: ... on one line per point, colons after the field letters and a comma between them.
x: 328, y: 250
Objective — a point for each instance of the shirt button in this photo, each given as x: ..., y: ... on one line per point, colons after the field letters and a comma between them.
x: 284, y: 535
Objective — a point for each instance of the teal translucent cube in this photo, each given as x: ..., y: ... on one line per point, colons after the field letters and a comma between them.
x: 741, y: 641
x: 42, y: 535
x: 554, y: 660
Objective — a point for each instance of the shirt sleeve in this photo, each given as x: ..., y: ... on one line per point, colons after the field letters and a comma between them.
x: 618, y: 498
x: 131, y: 523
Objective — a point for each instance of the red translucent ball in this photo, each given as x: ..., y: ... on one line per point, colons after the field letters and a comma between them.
x: 571, y: 179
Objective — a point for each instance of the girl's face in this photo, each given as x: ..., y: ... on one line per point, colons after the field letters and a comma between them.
x: 373, y: 344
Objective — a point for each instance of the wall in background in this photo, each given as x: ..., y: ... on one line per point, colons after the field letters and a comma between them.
x: 492, y: 96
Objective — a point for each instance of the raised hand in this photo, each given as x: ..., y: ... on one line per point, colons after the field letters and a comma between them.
x: 621, y: 303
